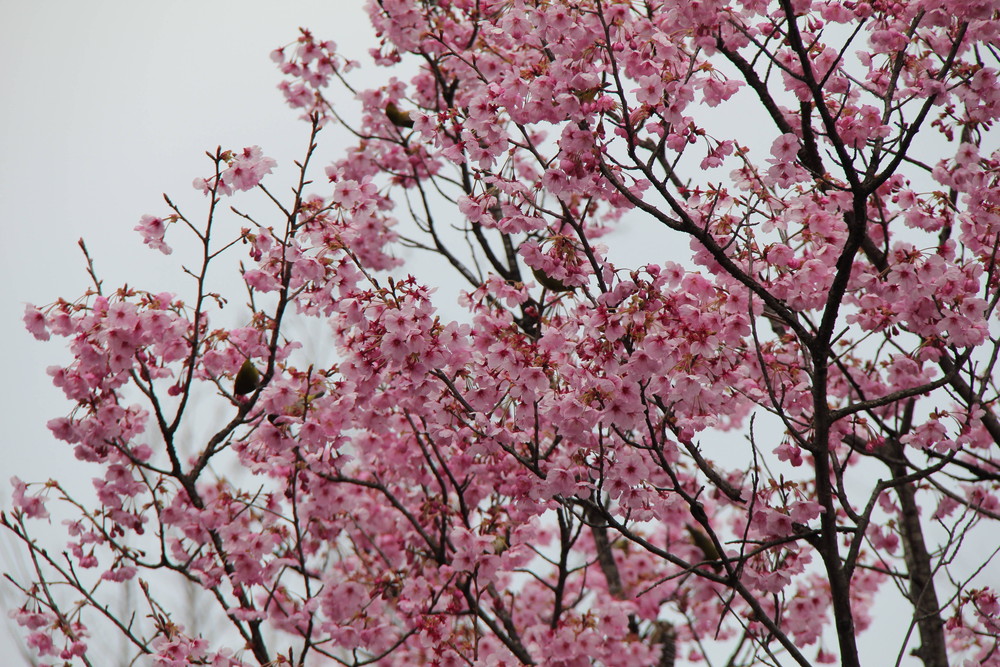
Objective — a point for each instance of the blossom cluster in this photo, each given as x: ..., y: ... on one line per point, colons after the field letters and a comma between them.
x: 565, y: 468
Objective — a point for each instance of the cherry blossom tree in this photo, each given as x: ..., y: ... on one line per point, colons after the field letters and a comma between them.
x: 726, y: 455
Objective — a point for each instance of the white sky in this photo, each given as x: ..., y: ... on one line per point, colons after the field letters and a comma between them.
x: 107, y: 104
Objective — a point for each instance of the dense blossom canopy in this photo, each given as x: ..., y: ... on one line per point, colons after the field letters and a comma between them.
x: 724, y: 453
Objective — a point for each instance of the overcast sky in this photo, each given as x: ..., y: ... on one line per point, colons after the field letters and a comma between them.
x: 106, y: 105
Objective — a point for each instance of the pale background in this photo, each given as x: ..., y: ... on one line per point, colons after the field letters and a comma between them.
x: 107, y: 104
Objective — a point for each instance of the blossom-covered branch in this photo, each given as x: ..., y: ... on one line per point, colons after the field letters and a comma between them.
x: 609, y: 453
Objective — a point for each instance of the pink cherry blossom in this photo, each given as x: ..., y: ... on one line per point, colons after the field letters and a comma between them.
x: 34, y: 321
x: 152, y: 230
x: 33, y: 506
x: 576, y: 449
x: 246, y: 170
